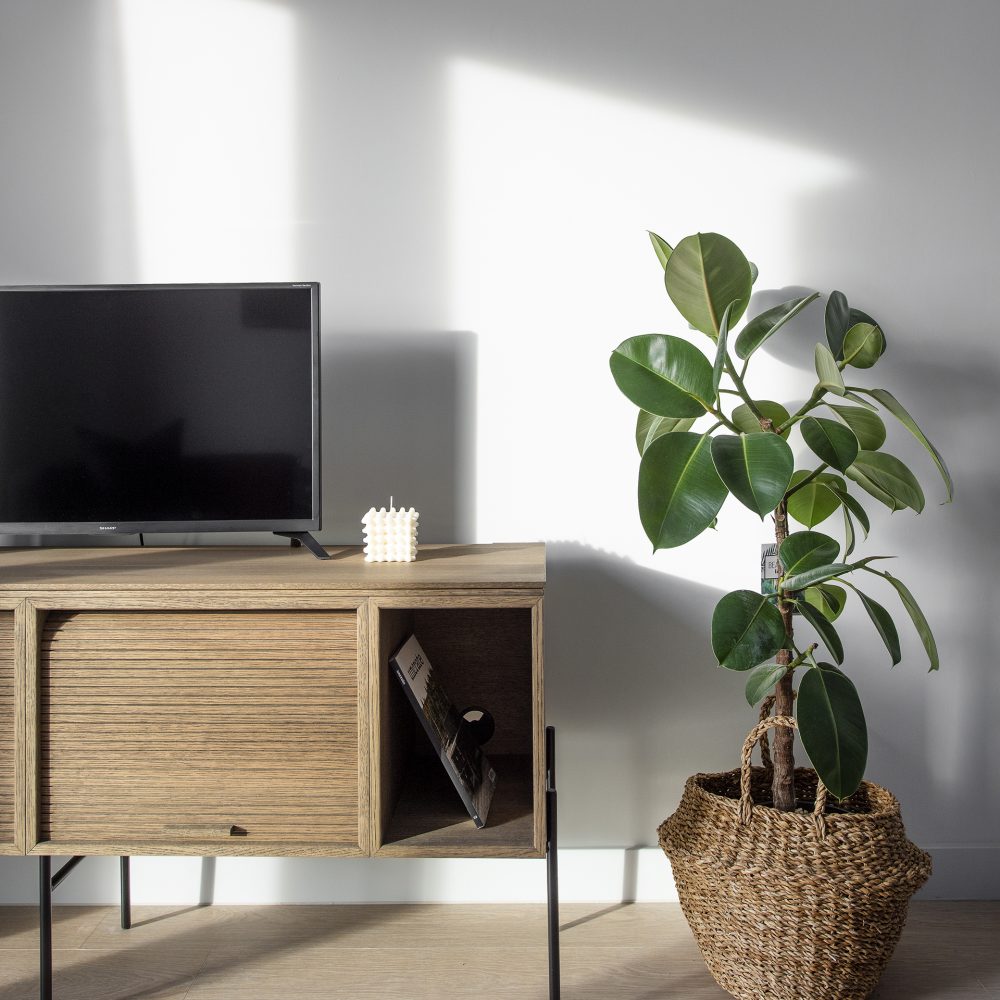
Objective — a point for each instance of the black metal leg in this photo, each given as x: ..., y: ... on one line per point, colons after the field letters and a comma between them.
x: 552, y: 861
x: 126, y: 894
x: 45, y: 927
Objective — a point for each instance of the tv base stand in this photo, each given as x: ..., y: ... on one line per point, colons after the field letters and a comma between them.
x: 306, y: 539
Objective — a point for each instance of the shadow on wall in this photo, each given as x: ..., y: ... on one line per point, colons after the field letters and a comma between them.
x: 632, y: 688
x: 399, y: 419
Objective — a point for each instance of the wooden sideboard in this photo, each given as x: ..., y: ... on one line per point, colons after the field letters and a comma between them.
x: 214, y: 701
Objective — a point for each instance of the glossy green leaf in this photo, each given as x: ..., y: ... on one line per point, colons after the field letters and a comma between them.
x: 863, y: 345
x: 883, y: 623
x: 756, y: 468
x: 850, y: 535
x: 834, y: 443
x: 827, y: 370
x: 827, y: 598
x: 852, y: 505
x: 661, y: 248
x: 815, y: 502
x: 860, y: 316
x: 663, y: 375
x: 874, y: 490
x: 803, y: 550
x: 720, y: 354
x: 745, y: 420
x: 916, y: 616
x: 867, y: 426
x: 896, y: 408
x: 833, y: 729
x: 761, y: 680
x: 703, y: 275
x: 890, y: 476
x: 860, y: 400
x: 825, y: 629
x: 754, y: 272
x: 768, y: 323
x: 838, y: 321
x: 680, y: 492
x: 799, y: 581
x: 746, y: 630
x: 648, y: 427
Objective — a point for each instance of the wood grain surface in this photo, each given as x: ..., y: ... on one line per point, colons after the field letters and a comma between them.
x: 8, y: 734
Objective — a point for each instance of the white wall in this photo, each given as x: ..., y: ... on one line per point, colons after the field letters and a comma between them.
x: 471, y: 183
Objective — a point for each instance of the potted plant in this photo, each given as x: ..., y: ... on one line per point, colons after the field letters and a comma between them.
x: 790, y: 894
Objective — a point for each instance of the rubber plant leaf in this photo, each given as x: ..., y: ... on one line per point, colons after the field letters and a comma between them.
x: 648, y: 427
x: 825, y: 629
x: 827, y: 371
x: 756, y: 468
x: 834, y: 443
x: 680, y: 493
x: 746, y: 630
x: 838, y: 322
x: 889, y: 475
x: 863, y: 345
x: 746, y: 420
x: 896, y: 408
x: 764, y: 326
x: 803, y: 550
x: 663, y: 375
x: 867, y: 426
x: 814, y: 502
x: 916, y: 616
x: 661, y: 248
x: 762, y: 679
x: 704, y: 274
x: 833, y: 728
x: 883, y: 623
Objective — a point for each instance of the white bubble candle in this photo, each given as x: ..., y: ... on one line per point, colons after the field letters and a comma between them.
x: 390, y: 535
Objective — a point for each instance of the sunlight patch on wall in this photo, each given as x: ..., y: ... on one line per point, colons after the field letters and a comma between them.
x: 552, y: 189
x: 211, y: 110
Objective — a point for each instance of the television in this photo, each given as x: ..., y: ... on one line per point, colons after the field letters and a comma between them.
x: 160, y: 408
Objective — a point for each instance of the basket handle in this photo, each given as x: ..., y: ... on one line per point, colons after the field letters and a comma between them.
x: 746, y: 799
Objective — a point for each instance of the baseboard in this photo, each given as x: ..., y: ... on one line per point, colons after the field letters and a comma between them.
x: 585, y: 875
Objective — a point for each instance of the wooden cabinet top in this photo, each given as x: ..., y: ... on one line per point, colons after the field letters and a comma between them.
x: 272, y: 567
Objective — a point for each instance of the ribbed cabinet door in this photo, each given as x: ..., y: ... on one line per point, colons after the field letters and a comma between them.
x: 7, y: 718
x: 174, y: 727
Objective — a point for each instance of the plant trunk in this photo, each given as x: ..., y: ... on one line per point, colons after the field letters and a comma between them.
x: 783, y: 780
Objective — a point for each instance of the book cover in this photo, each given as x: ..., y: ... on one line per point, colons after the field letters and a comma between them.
x: 467, y: 766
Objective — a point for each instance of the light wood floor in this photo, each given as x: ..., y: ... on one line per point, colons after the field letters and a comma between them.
x: 949, y: 951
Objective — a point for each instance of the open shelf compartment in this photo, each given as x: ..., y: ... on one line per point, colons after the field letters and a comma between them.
x: 486, y: 657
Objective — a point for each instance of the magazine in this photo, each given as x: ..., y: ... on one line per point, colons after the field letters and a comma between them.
x: 467, y: 766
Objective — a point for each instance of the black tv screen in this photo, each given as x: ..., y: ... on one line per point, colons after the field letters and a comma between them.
x: 159, y: 408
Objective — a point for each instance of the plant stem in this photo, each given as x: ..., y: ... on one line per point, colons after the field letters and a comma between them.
x: 818, y: 393
x: 742, y: 389
x: 805, y: 482
x: 783, y: 780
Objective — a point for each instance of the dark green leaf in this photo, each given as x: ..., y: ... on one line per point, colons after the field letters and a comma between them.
x: 883, y: 623
x: 850, y: 536
x: 756, y: 468
x: 803, y: 550
x: 746, y: 630
x: 827, y: 370
x: 680, y: 492
x: 874, y: 490
x: 833, y: 729
x: 799, y: 581
x: 661, y: 248
x: 768, y: 323
x: 814, y: 503
x: 745, y: 420
x: 916, y: 616
x: 825, y: 629
x: 890, y: 476
x: 827, y: 598
x: 852, y: 505
x: 648, y: 427
x: 860, y: 400
x: 762, y: 679
x: 863, y: 345
x: 896, y: 408
x: 834, y: 443
x: 720, y: 353
x: 664, y: 375
x: 838, y: 321
x: 867, y: 426
x: 703, y: 275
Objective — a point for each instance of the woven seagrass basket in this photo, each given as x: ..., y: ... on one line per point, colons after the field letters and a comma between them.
x: 791, y: 905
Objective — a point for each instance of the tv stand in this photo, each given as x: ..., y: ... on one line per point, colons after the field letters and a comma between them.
x: 305, y: 538
x: 233, y: 701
